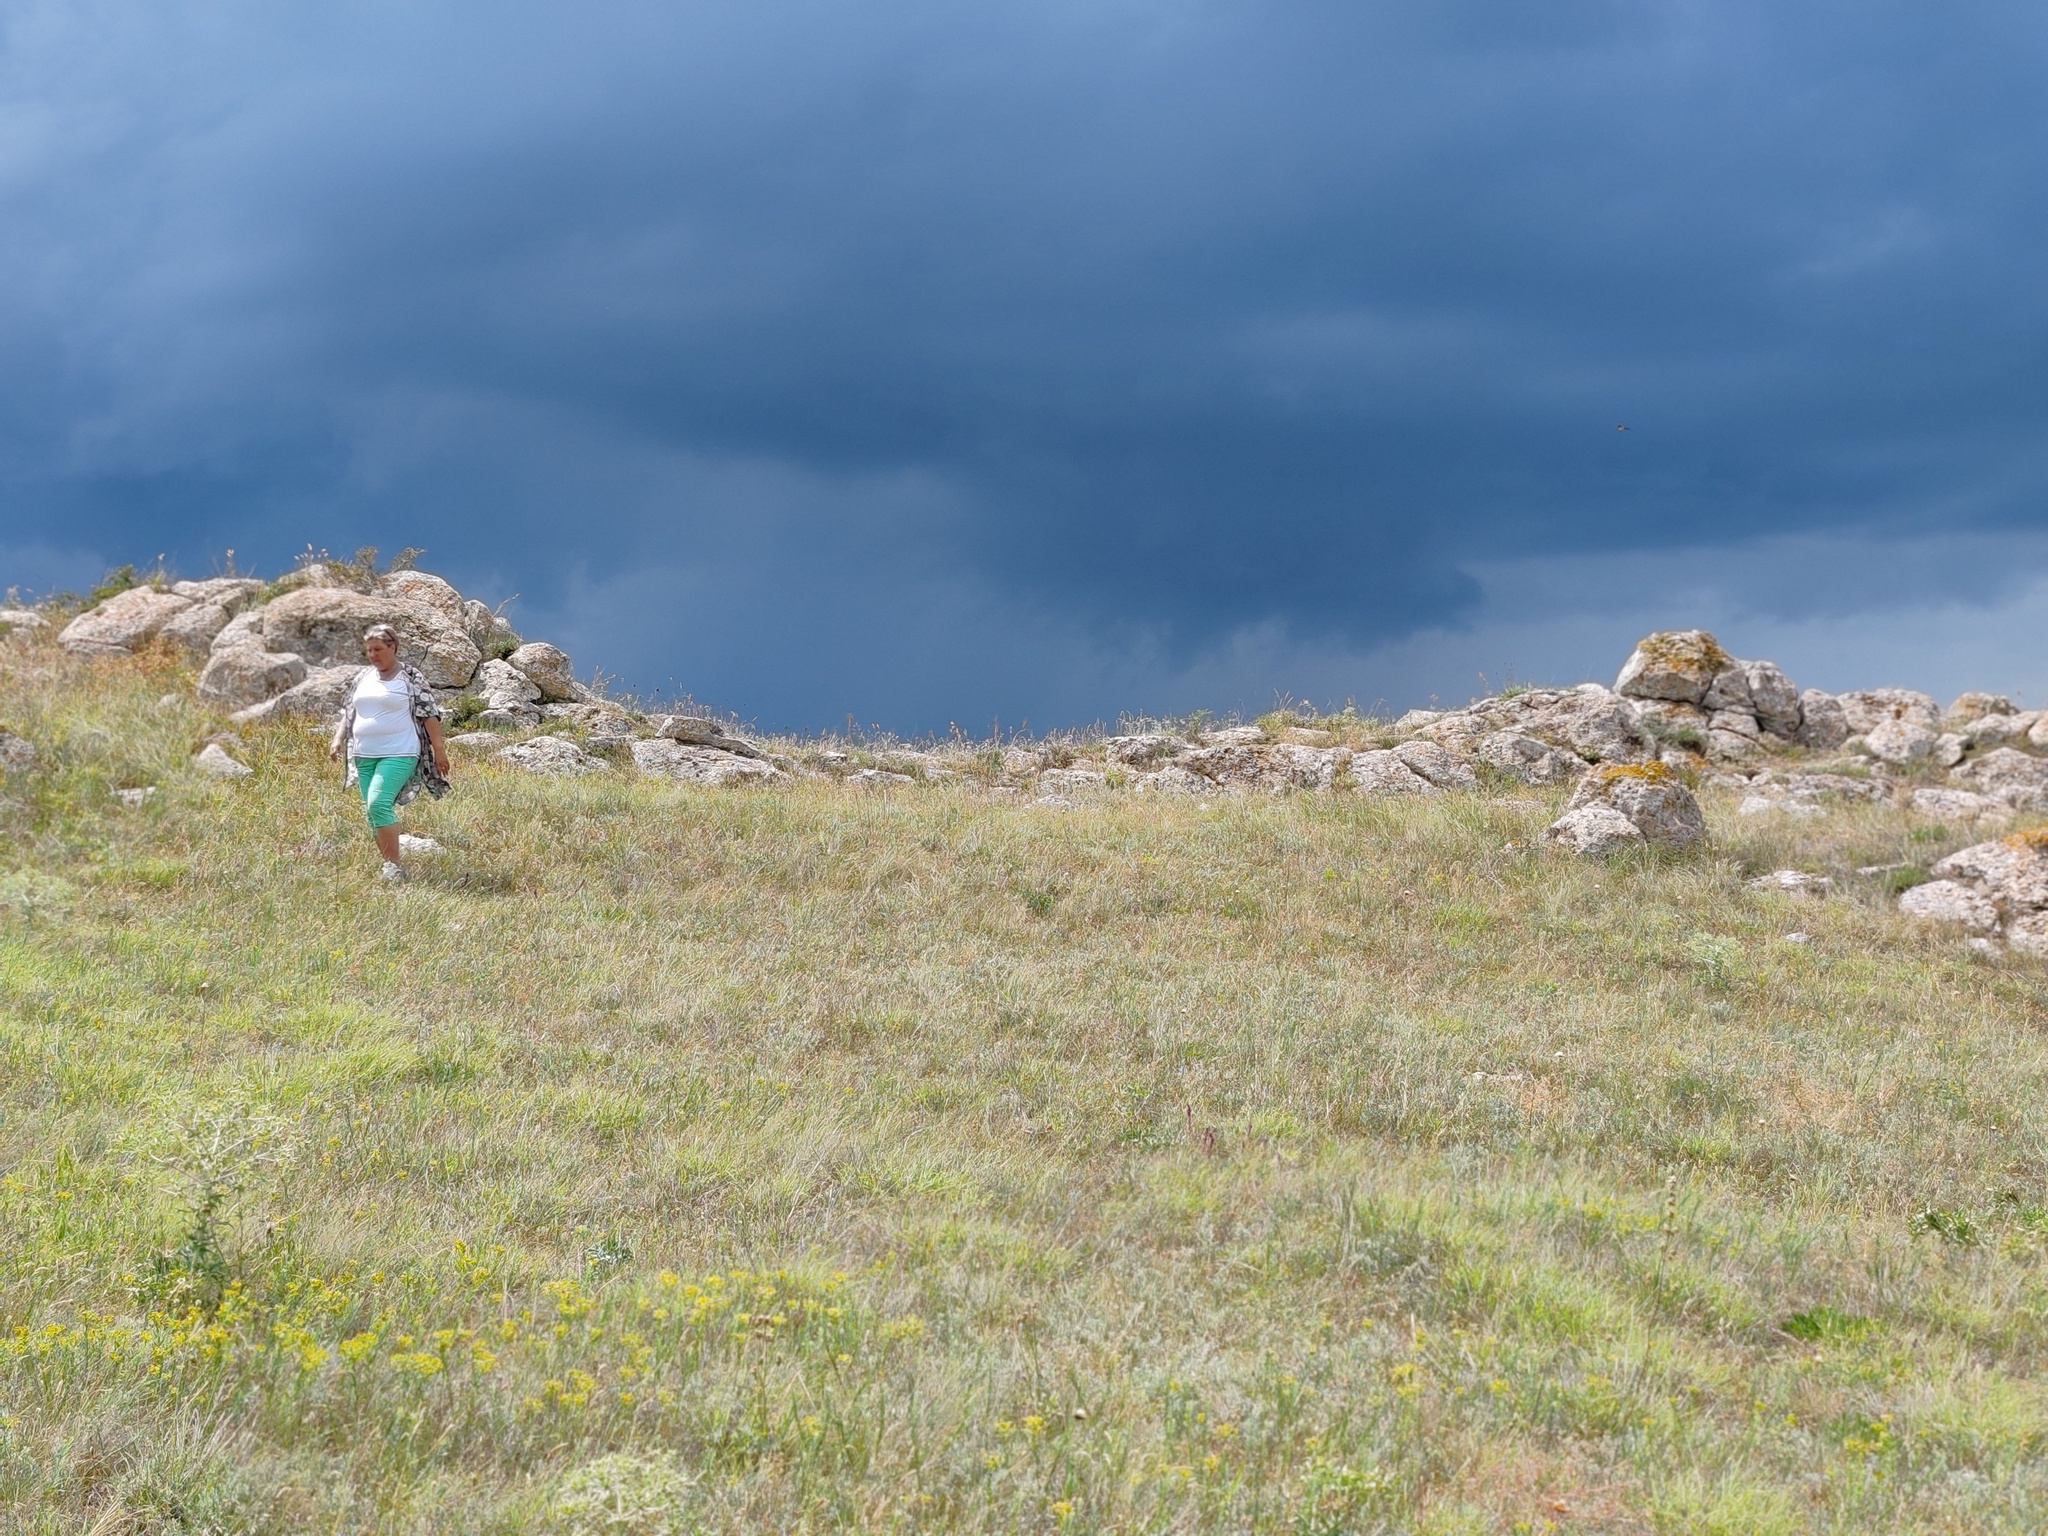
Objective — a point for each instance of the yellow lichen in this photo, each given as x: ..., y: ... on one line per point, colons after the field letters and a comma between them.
x: 1652, y: 772
x: 2034, y: 839
x: 1684, y: 650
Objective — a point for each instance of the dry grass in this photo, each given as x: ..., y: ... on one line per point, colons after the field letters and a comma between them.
x: 825, y: 1160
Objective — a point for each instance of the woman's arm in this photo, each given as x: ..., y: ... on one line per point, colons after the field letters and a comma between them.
x: 440, y: 746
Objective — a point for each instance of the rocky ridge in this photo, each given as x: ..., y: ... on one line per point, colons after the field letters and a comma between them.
x: 1683, y: 714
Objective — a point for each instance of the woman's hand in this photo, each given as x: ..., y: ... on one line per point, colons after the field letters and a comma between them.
x: 334, y: 752
x: 440, y: 760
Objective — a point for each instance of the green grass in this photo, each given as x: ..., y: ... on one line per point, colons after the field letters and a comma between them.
x: 821, y: 1160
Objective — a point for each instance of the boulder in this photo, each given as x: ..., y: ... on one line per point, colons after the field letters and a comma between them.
x: 1864, y: 708
x: 1730, y: 690
x: 1290, y: 765
x: 1823, y: 722
x: 1523, y: 757
x: 1736, y: 722
x: 488, y: 631
x: 1175, y: 780
x: 321, y: 696
x: 548, y: 669
x: 1590, y: 721
x: 1648, y: 794
x: 121, y: 623
x: 1968, y: 708
x: 1830, y: 786
x: 17, y: 753
x: 1238, y: 766
x: 1728, y: 747
x: 237, y: 676
x: 1594, y: 831
x: 1896, y: 739
x: 501, y: 686
x: 601, y: 722
x: 1428, y: 760
x: 233, y: 593
x: 1774, y: 698
x: 431, y: 591
x: 661, y: 758
x: 549, y: 755
x: 20, y: 621
x: 1949, y: 749
x: 214, y: 761
x: 194, y: 630
x: 1997, y: 730
x: 2008, y: 775
x: 1234, y: 736
x: 1054, y: 781
x: 1956, y: 805
x: 1415, y: 719
x: 2028, y: 933
x: 1673, y: 664
x: 1949, y: 901
x: 2011, y: 872
x: 514, y: 717
x: 324, y: 626
x: 1382, y: 773
x: 1142, y: 751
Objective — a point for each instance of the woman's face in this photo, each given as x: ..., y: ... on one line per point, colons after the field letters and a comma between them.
x: 381, y: 654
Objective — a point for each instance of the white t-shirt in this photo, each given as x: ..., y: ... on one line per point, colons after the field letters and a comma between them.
x: 384, y: 725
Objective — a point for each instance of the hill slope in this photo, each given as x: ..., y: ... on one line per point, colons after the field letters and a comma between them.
x: 817, y: 1158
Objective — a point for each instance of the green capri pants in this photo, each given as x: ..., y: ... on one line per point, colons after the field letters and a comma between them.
x: 380, y: 779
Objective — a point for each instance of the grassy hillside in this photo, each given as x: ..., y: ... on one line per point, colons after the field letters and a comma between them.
x: 820, y: 1159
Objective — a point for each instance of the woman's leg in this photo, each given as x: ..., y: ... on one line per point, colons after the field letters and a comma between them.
x: 380, y: 779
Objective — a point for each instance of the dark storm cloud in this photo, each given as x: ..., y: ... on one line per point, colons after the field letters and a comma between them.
x: 1151, y: 322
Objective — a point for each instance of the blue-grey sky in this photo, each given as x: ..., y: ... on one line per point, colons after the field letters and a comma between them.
x: 933, y: 362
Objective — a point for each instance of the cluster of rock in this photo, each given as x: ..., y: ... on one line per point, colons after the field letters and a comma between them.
x: 1996, y: 891
x: 293, y: 648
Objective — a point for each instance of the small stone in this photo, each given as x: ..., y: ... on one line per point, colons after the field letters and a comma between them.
x: 135, y: 798
x: 1798, y: 938
x: 1795, y: 881
x: 1143, y: 751
x: 410, y: 843
x: 1234, y: 736
x: 214, y: 760
x: 661, y: 758
x: 1524, y: 757
x: 1650, y: 796
x: 1593, y: 831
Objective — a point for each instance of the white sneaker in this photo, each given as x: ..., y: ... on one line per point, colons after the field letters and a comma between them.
x: 392, y: 874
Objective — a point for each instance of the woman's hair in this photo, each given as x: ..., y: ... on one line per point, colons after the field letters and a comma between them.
x: 382, y: 632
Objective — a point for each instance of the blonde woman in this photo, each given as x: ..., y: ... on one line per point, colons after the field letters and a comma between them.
x: 391, y: 730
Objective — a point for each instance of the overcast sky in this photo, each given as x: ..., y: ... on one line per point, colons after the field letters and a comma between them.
x: 1040, y: 361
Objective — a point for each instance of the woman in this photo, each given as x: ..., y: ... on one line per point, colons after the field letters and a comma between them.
x: 391, y: 729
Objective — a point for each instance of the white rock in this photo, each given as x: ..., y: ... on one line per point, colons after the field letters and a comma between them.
x: 1428, y: 760
x: 1061, y: 781
x: 1662, y: 808
x: 549, y: 755
x: 1947, y: 901
x: 1672, y: 664
x: 1416, y: 719
x: 411, y: 843
x: 215, y: 761
x: 1956, y: 805
x: 134, y: 799
x: 665, y: 759
x: 1795, y: 881
x: 194, y: 630
x: 320, y: 696
x: 1775, y: 699
x: 473, y: 741
x: 1291, y: 765
x: 1865, y: 708
x: 1143, y: 751
x: 881, y: 778
x: 1739, y: 722
x: 1593, y: 830
x: 2028, y: 933
x: 548, y: 669
x: 1730, y: 690
x: 1997, y: 730
x: 490, y: 633
x: 432, y: 591
x: 21, y: 621
x: 1763, y: 805
x: 1948, y: 749
x: 230, y: 592
x: 2006, y: 774
x: 1732, y: 746
x: 1234, y: 736
x: 2013, y: 872
x: 1174, y: 780
x: 1524, y: 757
x: 1382, y: 773
x: 1899, y: 740
x: 503, y: 686
x: 1235, y: 766
x: 121, y: 623
x: 1823, y: 723
x: 1968, y: 708
x: 324, y: 626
